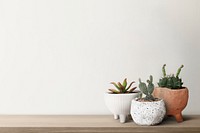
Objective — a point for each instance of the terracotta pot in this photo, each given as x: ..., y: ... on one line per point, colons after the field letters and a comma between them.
x: 175, y: 100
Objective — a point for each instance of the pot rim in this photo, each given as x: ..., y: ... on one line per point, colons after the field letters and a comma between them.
x: 135, y: 92
x: 159, y: 100
x: 179, y: 89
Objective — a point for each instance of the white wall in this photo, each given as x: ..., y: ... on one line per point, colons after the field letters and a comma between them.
x: 58, y: 56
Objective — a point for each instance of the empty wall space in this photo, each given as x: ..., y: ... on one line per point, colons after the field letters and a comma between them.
x: 59, y: 56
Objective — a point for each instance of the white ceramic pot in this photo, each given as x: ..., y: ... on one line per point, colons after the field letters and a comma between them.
x: 148, y: 113
x: 120, y: 104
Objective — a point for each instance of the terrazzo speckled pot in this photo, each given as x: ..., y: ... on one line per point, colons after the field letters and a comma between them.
x: 119, y: 104
x: 175, y: 100
x: 148, y: 113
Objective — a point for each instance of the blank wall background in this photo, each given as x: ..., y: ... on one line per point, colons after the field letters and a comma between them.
x: 58, y: 56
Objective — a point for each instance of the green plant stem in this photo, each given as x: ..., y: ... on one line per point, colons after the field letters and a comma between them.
x: 163, y: 70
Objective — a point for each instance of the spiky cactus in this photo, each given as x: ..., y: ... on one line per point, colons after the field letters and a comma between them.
x: 147, y: 89
x: 122, y: 87
x: 171, y: 81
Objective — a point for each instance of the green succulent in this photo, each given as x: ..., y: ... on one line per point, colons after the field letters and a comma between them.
x: 122, y: 87
x: 147, y: 89
x: 171, y: 81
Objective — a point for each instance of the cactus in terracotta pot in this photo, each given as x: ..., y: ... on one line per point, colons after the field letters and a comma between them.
x: 171, y: 81
x: 172, y: 91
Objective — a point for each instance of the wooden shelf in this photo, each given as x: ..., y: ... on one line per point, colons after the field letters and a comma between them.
x: 87, y: 124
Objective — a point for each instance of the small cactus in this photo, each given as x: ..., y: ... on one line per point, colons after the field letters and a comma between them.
x: 171, y: 81
x: 122, y: 87
x: 147, y: 89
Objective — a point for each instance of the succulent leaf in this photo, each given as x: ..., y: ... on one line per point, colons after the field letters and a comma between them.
x: 125, y: 83
x: 116, y: 85
x: 131, y: 90
x: 143, y: 88
x: 139, y: 95
x: 113, y: 90
x: 150, y: 88
x: 179, y: 70
x: 163, y: 70
x: 130, y: 85
x: 122, y: 89
x: 150, y: 85
x: 151, y: 78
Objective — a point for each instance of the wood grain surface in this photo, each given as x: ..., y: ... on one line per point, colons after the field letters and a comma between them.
x: 91, y: 124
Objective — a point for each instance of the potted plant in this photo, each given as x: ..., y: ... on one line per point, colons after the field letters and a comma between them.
x: 173, y: 93
x: 147, y: 110
x: 118, y: 100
